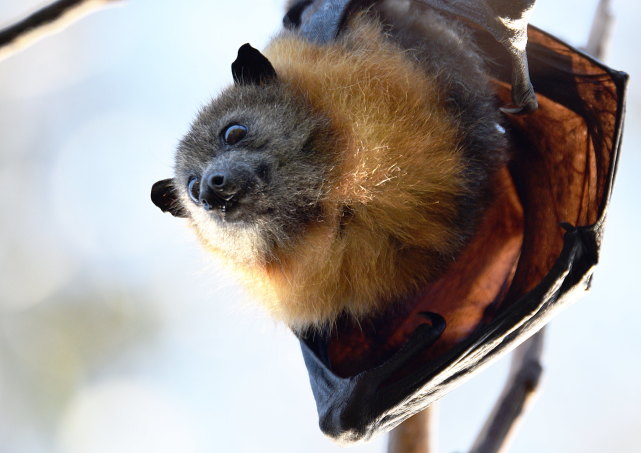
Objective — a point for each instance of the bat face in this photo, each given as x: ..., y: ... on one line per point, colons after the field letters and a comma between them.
x: 249, y: 173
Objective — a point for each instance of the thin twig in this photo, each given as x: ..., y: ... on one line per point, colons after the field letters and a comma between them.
x: 522, y: 383
x: 416, y: 434
x: 600, y: 30
x: 49, y: 19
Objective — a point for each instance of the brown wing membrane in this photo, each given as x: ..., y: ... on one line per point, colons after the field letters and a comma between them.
x: 537, y: 245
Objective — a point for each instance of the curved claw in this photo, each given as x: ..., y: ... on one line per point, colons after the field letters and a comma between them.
x: 524, y: 96
x: 528, y: 107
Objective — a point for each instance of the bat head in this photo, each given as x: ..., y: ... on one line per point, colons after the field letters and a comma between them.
x: 250, y: 172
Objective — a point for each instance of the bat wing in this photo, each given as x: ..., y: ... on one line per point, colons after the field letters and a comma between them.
x: 537, y: 244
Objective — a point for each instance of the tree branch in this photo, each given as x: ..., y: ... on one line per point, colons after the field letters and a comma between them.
x: 50, y: 19
x: 416, y: 434
x: 522, y: 384
x: 600, y: 30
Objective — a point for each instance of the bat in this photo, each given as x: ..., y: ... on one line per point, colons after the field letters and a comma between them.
x: 318, y: 132
x: 342, y: 172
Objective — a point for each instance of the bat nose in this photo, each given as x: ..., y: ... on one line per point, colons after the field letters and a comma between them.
x: 223, y: 186
x: 225, y: 183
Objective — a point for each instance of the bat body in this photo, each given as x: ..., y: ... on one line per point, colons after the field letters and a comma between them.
x: 340, y: 177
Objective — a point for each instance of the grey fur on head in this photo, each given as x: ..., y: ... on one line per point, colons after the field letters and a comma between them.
x: 279, y: 149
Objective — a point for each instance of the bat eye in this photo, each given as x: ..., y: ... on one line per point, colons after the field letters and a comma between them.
x: 193, y: 188
x: 234, y: 133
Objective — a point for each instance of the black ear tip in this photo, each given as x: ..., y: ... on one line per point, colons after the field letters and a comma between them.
x: 163, y: 195
x: 247, y: 53
x: 159, y: 192
x: 251, y: 67
x: 246, y: 48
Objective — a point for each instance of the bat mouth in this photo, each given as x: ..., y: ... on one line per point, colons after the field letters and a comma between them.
x: 232, y: 210
x: 219, y: 203
x: 226, y: 211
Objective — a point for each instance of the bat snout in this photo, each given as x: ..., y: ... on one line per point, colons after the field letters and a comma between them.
x: 223, y: 187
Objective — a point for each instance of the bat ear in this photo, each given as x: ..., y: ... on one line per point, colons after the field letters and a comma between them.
x: 164, y: 195
x: 252, y: 68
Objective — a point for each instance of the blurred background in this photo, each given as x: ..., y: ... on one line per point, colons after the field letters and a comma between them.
x: 117, y: 334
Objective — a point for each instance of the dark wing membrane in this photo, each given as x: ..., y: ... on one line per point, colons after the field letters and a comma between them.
x: 318, y: 21
x: 539, y: 242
